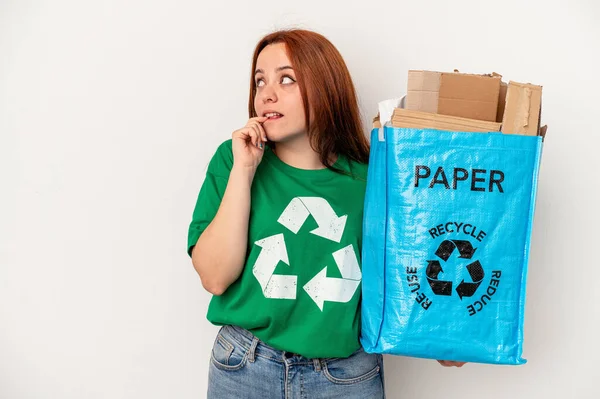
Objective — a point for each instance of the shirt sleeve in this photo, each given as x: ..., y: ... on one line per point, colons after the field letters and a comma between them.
x: 211, y: 193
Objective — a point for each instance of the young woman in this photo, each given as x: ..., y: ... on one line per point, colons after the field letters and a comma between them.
x: 276, y: 232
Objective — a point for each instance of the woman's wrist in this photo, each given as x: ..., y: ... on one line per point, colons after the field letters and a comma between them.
x: 243, y: 172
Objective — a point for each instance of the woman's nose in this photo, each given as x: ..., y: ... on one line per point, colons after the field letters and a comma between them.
x: 268, y: 94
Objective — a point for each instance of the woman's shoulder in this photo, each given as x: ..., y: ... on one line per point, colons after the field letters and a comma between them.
x: 225, y: 149
x: 222, y: 159
x: 358, y: 170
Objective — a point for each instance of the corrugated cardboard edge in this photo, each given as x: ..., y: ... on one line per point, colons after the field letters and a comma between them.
x: 442, y: 126
x: 523, y: 85
x: 542, y: 129
x: 501, y: 101
x: 428, y: 116
x: 428, y: 120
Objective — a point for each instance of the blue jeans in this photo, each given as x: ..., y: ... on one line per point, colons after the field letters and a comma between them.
x: 241, y: 366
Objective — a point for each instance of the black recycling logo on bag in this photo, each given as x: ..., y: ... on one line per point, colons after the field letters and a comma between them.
x: 465, y: 250
x: 454, y: 255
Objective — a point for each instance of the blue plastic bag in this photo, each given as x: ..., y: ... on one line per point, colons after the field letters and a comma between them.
x: 446, y: 235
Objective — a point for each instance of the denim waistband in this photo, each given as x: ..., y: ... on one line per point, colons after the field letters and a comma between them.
x: 249, y: 342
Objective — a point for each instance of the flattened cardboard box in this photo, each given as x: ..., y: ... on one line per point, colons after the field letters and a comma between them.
x: 454, y: 94
x: 522, y: 112
x: 469, y: 96
x: 423, y: 91
x: 501, y: 101
x: 416, y: 119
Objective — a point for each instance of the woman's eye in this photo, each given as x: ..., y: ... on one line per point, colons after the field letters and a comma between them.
x: 260, y: 83
x: 287, y: 80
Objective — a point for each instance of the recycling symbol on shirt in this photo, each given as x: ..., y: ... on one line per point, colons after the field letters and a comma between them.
x: 320, y: 288
x: 434, y: 268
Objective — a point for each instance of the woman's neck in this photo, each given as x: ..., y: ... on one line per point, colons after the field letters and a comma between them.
x: 299, y: 154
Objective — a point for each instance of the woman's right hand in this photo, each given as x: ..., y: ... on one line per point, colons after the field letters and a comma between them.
x: 248, y: 143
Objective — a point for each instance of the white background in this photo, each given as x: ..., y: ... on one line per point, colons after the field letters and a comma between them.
x: 110, y: 111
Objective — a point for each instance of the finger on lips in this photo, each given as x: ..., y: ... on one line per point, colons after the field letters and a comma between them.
x: 263, y: 134
x: 256, y: 135
x: 257, y: 121
x: 260, y: 132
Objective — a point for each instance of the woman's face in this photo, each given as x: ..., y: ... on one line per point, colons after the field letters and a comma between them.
x: 278, y: 95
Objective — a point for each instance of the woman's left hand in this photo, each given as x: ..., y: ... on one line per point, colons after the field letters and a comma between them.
x: 448, y: 363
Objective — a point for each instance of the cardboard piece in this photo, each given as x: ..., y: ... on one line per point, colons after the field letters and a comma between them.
x: 454, y: 94
x: 469, y: 96
x: 501, y: 101
x: 426, y: 120
x: 376, y: 122
x: 423, y: 91
x: 543, y: 131
x: 522, y: 112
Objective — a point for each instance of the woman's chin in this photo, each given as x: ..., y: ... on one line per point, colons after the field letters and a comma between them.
x: 276, y: 136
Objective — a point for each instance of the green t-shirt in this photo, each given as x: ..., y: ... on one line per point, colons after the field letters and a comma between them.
x: 300, y: 287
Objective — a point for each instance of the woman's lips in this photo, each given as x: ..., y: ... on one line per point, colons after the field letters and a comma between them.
x: 274, y: 118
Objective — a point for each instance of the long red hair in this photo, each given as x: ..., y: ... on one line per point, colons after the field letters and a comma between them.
x: 326, y: 88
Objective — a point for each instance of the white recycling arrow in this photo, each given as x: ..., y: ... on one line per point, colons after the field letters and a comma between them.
x: 273, y: 285
x: 295, y: 214
x: 322, y: 288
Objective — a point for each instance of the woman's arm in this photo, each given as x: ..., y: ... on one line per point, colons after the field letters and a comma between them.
x: 219, y: 254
